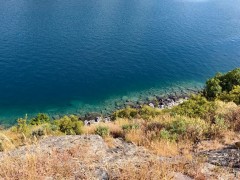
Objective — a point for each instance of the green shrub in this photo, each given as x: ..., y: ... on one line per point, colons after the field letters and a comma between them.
x: 70, y: 125
x: 22, y: 126
x: 213, y: 88
x: 40, y: 119
x: 148, y: 112
x: 188, y: 128
x: 39, y: 132
x: 196, y: 106
x: 218, y: 127
x: 166, y: 135
x: 230, y: 79
x: 126, y: 113
x: 233, y: 95
x: 232, y: 118
x: 78, y: 127
x: 222, y: 84
x: 178, y: 127
x: 128, y: 127
x: 53, y: 127
x: 102, y: 131
x: 154, y: 126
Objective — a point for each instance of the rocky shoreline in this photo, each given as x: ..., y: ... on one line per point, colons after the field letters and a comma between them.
x: 159, y: 102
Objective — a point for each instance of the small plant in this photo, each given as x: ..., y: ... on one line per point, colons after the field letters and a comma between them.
x: 70, y: 125
x: 102, y: 131
x: 187, y: 128
x: 128, y: 127
x: 148, y: 112
x: 166, y: 135
x: 126, y: 113
x: 196, y: 106
x: 218, y: 127
x: 22, y: 125
x: 178, y: 127
x: 53, y: 127
x: 233, y: 95
x: 38, y: 133
x: 224, y: 86
x: 40, y: 119
x: 154, y: 126
x: 233, y: 119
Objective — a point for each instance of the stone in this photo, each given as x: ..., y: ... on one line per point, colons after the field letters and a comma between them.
x: 237, y: 144
x: 161, y: 106
x: 180, y: 176
x: 92, y: 115
x: 151, y: 105
x: 227, y: 157
x: 86, y: 123
x: 107, y: 119
x: 102, y: 174
x: 98, y: 119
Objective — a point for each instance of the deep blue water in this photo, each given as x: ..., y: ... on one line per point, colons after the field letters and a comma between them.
x: 61, y: 56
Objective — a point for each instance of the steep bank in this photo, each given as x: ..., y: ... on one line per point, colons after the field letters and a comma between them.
x: 90, y: 157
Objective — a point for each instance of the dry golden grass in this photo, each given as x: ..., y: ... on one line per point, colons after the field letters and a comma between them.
x: 150, y: 170
x: 109, y: 141
x: 224, y: 108
x: 135, y: 136
x: 228, y: 138
x: 163, y: 118
x: 155, y: 169
x: 55, y: 164
x: 89, y: 129
x: 158, y: 147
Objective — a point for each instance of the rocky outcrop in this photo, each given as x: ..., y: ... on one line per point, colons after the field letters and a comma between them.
x: 228, y: 156
x: 94, y: 158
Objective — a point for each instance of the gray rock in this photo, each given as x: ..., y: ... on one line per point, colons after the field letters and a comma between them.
x: 151, y: 105
x: 98, y: 119
x: 228, y: 156
x: 180, y: 176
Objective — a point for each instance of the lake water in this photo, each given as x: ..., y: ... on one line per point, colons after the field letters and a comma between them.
x: 72, y: 56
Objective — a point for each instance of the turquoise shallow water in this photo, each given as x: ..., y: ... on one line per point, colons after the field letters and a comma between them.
x: 71, y: 56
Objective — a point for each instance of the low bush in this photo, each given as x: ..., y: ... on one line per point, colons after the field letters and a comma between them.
x: 128, y: 127
x: 166, y: 135
x: 187, y: 128
x: 154, y: 126
x: 22, y: 126
x: 147, y: 112
x: 126, y: 113
x: 102, y: 131
x: 218, y: 127
x: 233, y: 119
x: 39, y: 132
x: 70, y: 125
x: 224, y: 86
x: 196, y: 107
x: 40, y: 119
x: 233, y: 95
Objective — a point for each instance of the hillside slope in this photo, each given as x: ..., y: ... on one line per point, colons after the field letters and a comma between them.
x: 90, y: 157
